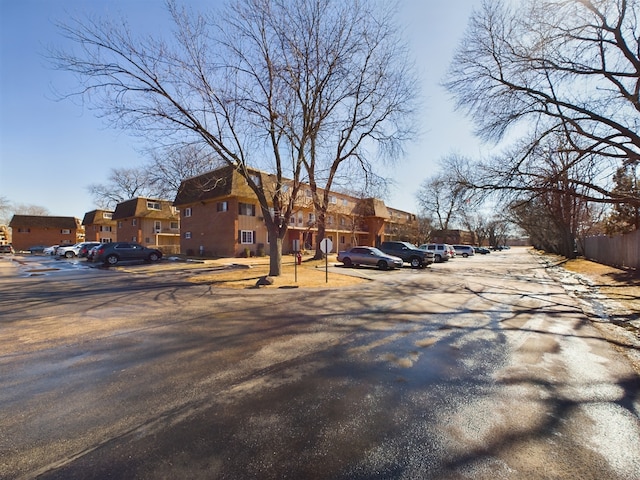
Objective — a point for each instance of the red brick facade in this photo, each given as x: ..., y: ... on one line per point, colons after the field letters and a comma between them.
x: 32, y: 230
x: 221, y: 217
x: 150, y: 222
x: 99, y: 226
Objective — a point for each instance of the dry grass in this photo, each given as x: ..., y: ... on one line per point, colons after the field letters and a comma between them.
x: 310, y: 274
x: 620, y: 285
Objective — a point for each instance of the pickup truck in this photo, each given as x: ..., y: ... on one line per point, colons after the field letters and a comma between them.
x: 408, y: 253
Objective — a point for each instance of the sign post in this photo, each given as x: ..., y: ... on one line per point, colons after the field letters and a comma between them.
x: 326, y: 246
x: 296, y: 253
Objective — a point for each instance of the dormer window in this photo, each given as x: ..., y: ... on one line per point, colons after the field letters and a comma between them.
x: 153, y: 206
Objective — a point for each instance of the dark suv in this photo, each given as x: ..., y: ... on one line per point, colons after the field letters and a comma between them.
x: 112, y: 253
x: 408, y: 253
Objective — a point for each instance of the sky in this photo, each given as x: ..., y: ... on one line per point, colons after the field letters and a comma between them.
x: 52, y: 150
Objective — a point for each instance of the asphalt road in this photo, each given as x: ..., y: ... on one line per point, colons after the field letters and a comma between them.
x: 478, y: 368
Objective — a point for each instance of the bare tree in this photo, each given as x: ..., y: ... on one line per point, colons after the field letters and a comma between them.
x: 235, y: 80
x: 168, y: 167
x: 444, y: 197
x: 122, y: 184
x: 30, y: 209
x: 5, y: 210
x: 356, y: 91
x: 560, y: 68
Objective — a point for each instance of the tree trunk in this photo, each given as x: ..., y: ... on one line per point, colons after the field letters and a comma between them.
x: 275, y: 255
x: 322, y: 230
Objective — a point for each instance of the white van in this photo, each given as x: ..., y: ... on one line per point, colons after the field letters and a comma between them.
x: 464, y: 250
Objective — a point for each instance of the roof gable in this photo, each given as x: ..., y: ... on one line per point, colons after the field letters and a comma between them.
x: 137, y: 207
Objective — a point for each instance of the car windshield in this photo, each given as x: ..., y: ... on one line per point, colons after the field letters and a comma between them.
x: 377, y: 252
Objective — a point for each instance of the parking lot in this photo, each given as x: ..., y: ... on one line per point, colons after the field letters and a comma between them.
x: 476, y: 368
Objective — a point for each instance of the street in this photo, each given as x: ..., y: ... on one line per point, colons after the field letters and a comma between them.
x: 481, y: 367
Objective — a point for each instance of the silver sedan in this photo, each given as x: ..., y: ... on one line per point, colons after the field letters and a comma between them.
x: 368, y: 256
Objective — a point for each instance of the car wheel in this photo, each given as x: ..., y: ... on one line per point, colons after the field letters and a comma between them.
x: 438, y: 258
x: 153, y: 257
x: 112, y: 259
x: 415, y: 262
x: 346, y: 262
x: 69, y: 254
x: 382, y: 265
x: 465, y: 255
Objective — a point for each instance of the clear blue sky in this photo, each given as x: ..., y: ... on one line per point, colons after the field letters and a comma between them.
x: 50, y: 151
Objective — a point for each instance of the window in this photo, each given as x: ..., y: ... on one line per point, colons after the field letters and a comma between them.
x: 157, y: 226
x: 345, y: 202
x: 330, y: 220
x: 24, y: 230
x: 222, y: 206
x: 107, y: 215
x: 120, y: 224
x: 255, y: 179
x: 153, y: 206
x: 187, y: 235
x: 333, y: 199
x: 146, y: 240
x: 134, y: 221
x: 300, y: 218
x: 292, y: 219
x: 174, y: 226
x: 105, y: 240
x: 246, y: 237
x: 285, y: 188
x: 342, y: 239
x: 312, y: 217
x: 247, y: 209
x: 134, y: 239
x: 308, y: 193
x: 187, y: 212
x: 105, y: 228
x: 343, y: 222
x: 65, y: 231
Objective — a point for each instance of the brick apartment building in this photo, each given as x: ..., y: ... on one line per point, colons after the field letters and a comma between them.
x: 99, y: 226
x: 150, y: 222
x: 32, y: 230
x: 221, y: 216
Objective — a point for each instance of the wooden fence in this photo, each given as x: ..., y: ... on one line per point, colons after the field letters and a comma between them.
x: 622, y: 251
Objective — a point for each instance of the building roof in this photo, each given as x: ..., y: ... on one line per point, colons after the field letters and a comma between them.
x: 137, y: 207
x: 42, y: 221
x: 373, y: 207
x: 95, y: 217
x: 218, y: 183
x: 226, y: 181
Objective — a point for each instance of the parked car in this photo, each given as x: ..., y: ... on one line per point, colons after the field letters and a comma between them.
x: 37, y: 248
x: 92, y: 251
x: 356, y: 256
x: 70, y: 251
x: 464, y: 250
x: 441, y: 251
x: 112, y: 253
x: 408, y: 253
x: 50, y: 250
x: 84, y: 249
x: 6, y: 249
x: 482, y: 250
